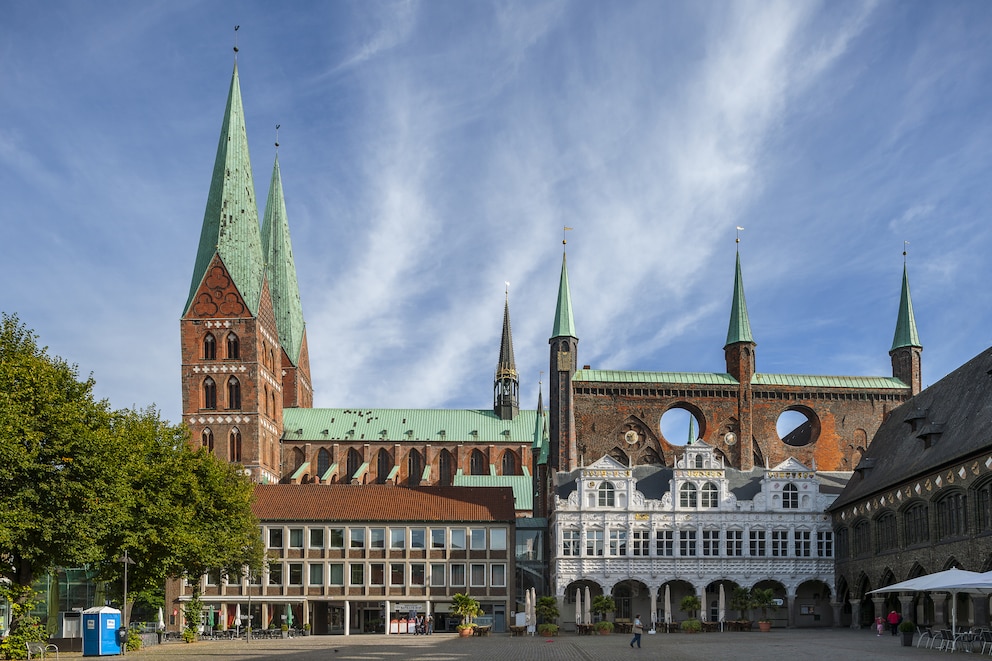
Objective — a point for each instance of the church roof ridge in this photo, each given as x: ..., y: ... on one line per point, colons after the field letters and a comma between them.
x: 230, y: 221
x: 722, y: 378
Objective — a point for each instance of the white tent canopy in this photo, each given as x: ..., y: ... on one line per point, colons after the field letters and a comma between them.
x: 953, y: 581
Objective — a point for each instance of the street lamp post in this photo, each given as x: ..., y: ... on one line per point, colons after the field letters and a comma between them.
x: 126, y: 561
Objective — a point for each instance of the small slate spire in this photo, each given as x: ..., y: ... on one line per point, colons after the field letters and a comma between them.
x: 506, y: 396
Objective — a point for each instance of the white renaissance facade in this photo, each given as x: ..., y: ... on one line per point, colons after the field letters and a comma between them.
x: 651, y: 535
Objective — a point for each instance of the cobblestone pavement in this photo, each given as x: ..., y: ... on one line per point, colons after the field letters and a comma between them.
x: 788, y: 644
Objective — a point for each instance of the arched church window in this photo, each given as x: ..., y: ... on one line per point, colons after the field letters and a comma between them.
x: 384, y: 464
x: 509, y: 463
x: 414, y: 468
x: 207, y: 437
x: 478, y: 463
x: 233, y: 393
x: 234, y: 445
x: 323, y: 462
x: 209, y: 393
x: 687, y: 495
x: 354, y: 463
x: 607, y: 495
x: 444, y: 468
x: 233, y: 347
x: 265, y: 396
x: 709, y: 495
x: 790, y: 497
x: 209, y: 347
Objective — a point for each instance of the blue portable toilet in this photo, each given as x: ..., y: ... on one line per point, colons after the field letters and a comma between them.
x: 100, y: 631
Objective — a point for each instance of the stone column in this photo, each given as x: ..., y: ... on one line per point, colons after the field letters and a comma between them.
x: 855, y: 613
x: 981, y: 605
x: 906, y: 607
x: 835, y: 606
x: 790, y: 608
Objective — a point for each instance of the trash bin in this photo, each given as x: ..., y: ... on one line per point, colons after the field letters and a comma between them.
x: 100, y: 626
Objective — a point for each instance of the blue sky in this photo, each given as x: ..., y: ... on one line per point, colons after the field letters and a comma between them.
x: 432, y: 151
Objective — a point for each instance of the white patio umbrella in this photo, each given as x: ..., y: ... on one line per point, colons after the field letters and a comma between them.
x: 668, y: 604
x: 578, y: 607
x: 722, y: 608
x: 161, y: 619
x: 953, y: 581
x: 237, y: 618
x: 587, y: 607
x: 532, y: 611
x: 527, y: 606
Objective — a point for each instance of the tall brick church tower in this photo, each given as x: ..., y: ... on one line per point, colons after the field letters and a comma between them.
x: 244, y: 350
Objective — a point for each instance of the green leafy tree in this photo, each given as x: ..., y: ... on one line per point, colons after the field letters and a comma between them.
x: 547, y: 609
x: 690, y: 604
x: 764, y: 598
x: 603, y: 604
x: 62, y: 478
x: 30, y: 630
x: 466, y: 607
x: 740, y: 600
x: 82, y: 484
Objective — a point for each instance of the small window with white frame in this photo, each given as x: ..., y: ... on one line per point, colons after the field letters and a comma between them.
x: 478, y: 536
x: 497, y: 575
x: 478, y: 573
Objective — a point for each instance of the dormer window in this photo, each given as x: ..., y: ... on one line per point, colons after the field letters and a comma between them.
x: 699, y: 461
x: 607, y: 495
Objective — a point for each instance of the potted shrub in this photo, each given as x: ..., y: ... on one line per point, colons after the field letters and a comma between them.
x: 546, y: 608
x: 603, y: 627
x: 306, y: 629
x: 764, y: 598
x: 466, y: 608
x: 907, y: 628
x: 691, y: 626
x: 740, y: 601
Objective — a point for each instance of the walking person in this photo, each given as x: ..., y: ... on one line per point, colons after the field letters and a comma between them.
x: 638, y: 630
x: 894, y: 620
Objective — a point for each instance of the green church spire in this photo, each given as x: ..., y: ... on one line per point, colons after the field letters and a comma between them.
x: 905, y: 335
x: 280, y: 268
x: 564, y: 323
x: 740, y: 327
x: 230, y: 222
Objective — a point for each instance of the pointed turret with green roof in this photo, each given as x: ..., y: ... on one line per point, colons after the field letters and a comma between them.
x: 906, y: 348
x: 739, y: 348
x: 280, y: 270
x: 230, y: 228
x: 564, y: 363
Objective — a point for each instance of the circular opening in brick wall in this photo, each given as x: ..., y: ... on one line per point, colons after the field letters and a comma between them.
x: 797, y: 427
x: 678, y: 424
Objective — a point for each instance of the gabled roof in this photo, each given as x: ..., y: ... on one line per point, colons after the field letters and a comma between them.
x: 606, y: 462
x: 960, y: 405
x: 433, y: 425
x: 564, y: 323
x: 280, y: 268
x: 791, y: 465
x: 230, y: 221
x: 740, y: 326
x: 905, y: 335
x: 375, y: 502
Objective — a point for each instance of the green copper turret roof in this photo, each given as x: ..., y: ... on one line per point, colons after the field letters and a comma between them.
x: 740, y: 326
x: 906, y: 335
x: 230, y: 222
x: 539, y: 422
x: 280, y: 268
x: 564, y: 323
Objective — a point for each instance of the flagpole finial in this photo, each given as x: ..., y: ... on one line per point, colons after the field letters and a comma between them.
x: 564, y: 229
x: 236, y: 28
x: 277, y: 136
x: 739, y: 230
